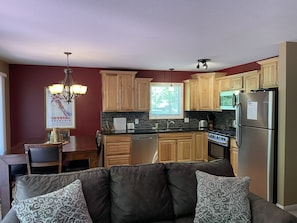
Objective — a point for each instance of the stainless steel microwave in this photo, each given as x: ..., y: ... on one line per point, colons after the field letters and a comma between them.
x: 229, y: 100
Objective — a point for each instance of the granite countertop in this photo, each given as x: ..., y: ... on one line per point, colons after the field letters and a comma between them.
x: 152, y: 131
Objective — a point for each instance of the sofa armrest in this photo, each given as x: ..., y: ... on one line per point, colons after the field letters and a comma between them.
x: 266, y: 212
x: 10, y: 217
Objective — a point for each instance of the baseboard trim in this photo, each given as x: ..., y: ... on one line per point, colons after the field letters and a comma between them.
x: 288, y: 207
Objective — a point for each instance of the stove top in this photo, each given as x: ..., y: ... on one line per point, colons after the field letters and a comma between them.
x: 224, y: 132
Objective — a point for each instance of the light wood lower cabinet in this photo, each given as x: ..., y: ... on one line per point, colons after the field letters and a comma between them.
x: 234, y: 155
x: 200, y: 146
x: 182, y: 147
x: 175, y: 147
x: 172, y: 147
x: 117, y: 150
x: 167, y: 150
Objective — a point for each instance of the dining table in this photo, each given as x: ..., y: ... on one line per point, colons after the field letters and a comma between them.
x: 74, y: 148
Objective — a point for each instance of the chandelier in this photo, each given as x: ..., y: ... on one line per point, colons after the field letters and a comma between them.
x: 68, y: 89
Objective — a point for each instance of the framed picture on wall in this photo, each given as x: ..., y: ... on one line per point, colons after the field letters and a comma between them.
x: 58, y: 113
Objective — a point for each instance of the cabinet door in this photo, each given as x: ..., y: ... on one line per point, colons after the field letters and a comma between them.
x: 269, y: 73
x: 142, y: 94
x: 109, y: 92
x: 167, y: 150
x: 234, y: 156
x: 236, y: 83
x: 205, y: 90
x: 251, y: 81
x: 126, y: 92
x: 191, y: 95
x: 216, y: 94
x: 117, y: 160
x: 225, y: 84
x: 184, y: 150
x: 200, y: 146
x: 117, y: 150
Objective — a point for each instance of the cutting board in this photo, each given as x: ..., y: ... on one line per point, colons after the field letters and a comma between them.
x: 119, y: 124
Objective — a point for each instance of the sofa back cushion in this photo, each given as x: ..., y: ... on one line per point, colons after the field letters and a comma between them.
x: 183, y: 183
x: 139, y: 194
x: 95, y: 185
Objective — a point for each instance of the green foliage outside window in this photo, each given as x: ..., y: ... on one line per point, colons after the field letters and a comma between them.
x: 166, y: 100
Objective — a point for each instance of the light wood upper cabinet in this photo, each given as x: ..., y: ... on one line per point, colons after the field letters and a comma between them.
x: 109, y: 95
x: 191, y: 95
x: 236, y: 82
x: 206, y: 84
x: 117, y: 90
x: 251, y: 80
x: 269, y: 73
x: 142, y: 94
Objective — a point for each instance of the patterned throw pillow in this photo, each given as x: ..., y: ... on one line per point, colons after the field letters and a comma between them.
x: 65, y: 205
x: 222, y: 199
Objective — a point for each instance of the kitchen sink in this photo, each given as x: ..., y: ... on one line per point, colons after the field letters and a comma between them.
x: 171, y: 130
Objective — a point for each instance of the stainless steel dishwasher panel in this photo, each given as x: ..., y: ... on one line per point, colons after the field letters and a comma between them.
x: 144, y: 148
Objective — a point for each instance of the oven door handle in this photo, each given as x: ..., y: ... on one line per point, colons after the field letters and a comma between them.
x: 238, y: 124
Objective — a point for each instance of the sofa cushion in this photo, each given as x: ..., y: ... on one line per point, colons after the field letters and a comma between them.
x: 95, y: 185
x: 64, y: 205
x: 222, y: 199
x: 139, y: 194
x: 183, y: 183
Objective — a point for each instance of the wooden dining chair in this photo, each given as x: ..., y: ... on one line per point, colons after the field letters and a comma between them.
x: 99, y: 147
x: 44, y: 158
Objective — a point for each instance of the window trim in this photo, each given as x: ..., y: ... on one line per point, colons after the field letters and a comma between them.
x: 181, y: 109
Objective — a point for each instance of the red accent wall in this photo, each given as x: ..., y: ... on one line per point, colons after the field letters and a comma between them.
x: 27, y: 103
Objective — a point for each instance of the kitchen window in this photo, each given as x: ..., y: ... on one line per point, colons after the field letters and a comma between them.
x: 166, y: 101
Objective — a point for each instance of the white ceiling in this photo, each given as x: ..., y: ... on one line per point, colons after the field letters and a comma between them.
x: 144, y: 34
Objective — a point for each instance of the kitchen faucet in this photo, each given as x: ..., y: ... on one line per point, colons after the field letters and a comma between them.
x: 169, y: 122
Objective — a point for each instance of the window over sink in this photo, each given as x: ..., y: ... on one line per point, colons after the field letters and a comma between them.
x: 166, y: 100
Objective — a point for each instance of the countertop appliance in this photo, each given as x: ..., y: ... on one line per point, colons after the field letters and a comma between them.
x: 203, y: 125
x: 229, y: 99
x: 144, y: 148
x: 257, y: 141
x: 219, y: 144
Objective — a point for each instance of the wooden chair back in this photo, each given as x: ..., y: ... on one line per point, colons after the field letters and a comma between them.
x: 43, y: 158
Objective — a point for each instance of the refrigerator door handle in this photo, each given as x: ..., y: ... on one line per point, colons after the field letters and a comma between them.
x: 238, y: 124
x: 233, y: 100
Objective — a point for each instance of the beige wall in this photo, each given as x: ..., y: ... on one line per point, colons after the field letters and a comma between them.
x: 287, y: 146
x: 4, y: 68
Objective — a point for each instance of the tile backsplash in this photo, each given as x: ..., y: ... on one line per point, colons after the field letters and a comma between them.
x: 223, y: 120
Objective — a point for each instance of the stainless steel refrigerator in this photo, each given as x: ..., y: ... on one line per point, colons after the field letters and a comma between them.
x: 256, y: 135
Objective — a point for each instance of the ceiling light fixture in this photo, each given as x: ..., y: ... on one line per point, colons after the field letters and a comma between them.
x: 171, y: 87
x: 68, y: 89
x: 203, y: 62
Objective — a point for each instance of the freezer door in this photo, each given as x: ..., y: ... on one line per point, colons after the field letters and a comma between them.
x: 255, y: 159
x: 258, y: 109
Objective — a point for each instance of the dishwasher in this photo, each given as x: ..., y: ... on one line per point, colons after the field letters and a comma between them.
x: 144, y: 149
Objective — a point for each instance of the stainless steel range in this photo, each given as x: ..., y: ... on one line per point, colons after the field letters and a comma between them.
x: 219, y: 144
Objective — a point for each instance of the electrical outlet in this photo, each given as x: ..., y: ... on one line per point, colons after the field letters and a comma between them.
x: 136, y: 121
x: 186, y: 120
